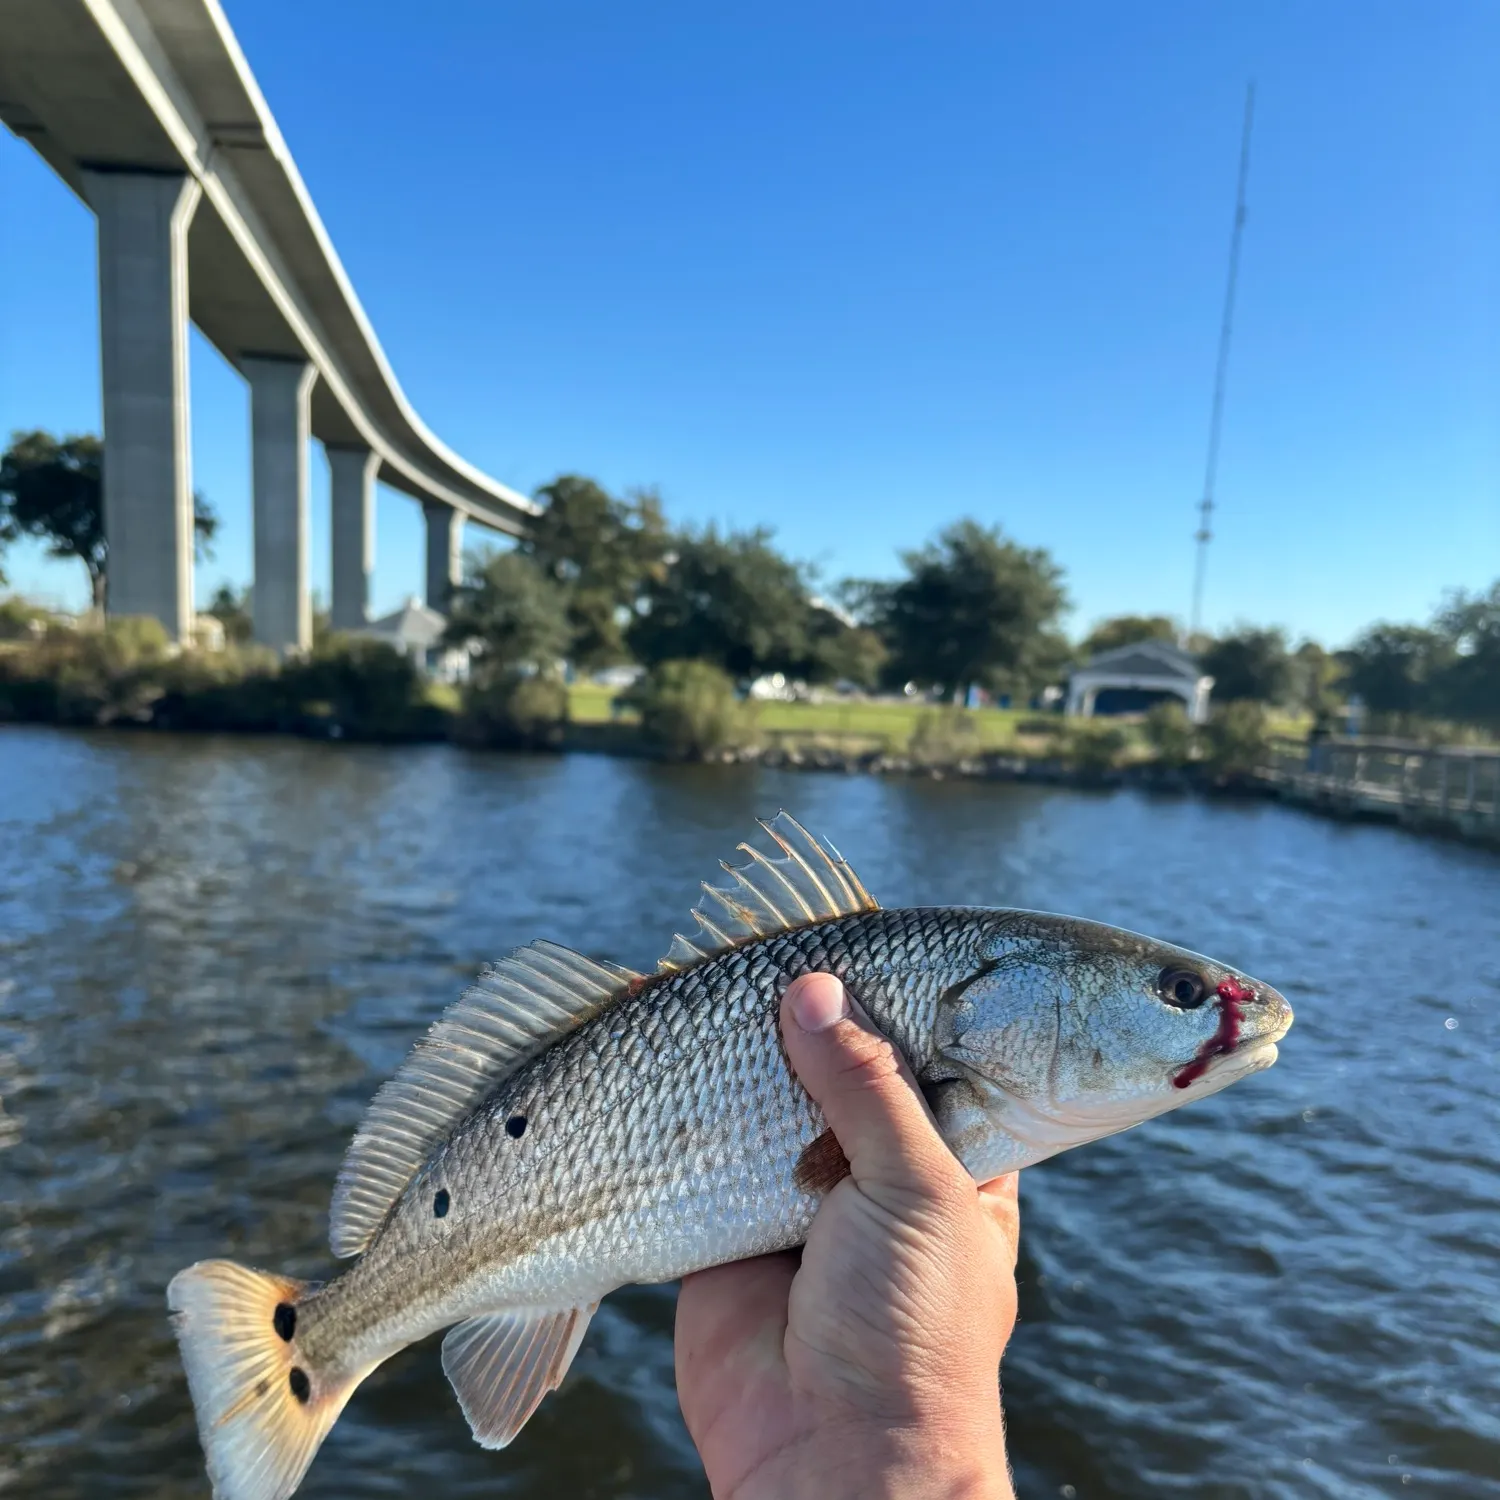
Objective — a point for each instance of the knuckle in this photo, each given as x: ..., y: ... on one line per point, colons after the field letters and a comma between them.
x: 867, y: 1061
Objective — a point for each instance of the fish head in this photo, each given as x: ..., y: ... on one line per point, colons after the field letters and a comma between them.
x: 1072, y: 1030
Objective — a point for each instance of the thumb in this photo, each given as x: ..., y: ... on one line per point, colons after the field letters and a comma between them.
x: 866, y: 1092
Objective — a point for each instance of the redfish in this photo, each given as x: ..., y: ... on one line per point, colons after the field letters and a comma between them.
x: 571, y: 1126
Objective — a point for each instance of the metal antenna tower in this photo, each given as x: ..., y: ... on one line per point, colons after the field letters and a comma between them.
x: 1205, y: 533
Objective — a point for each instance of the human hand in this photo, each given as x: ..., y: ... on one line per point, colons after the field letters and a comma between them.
x: 870, y: 1368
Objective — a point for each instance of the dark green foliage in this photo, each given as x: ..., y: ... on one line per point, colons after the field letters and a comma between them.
x: 96, y: 676
x: 1094, y: 746
x: 52, y: 488
x: 1250, y: 665
x: 125, y: 672
x: 973, y: 608
x: 514, y: 710
x: 1398, y: 669
x: 1169, y: 733
x: 840, y: 652
x: 1470, y: 688
x: 512, y: 611
x: 601, y: 552
x: 1446, y: 671
x: 366, y: 688
x: 1314, y: 681
x: 730, y: 599
x: 1127, y: 630
x: 232, y: 610
x: 689, y: 709
x: 1235, y: 740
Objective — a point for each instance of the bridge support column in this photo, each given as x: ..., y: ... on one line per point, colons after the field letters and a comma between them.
x: 445, y: 554
x: 352, y: 472
x: 148, y: 486
x: 280, y: 421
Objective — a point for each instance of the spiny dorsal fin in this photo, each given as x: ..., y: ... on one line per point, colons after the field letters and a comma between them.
x: 514, y: 1010
x: 807, y: 882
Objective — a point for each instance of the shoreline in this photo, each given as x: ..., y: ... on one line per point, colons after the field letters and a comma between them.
x: 624, y: 740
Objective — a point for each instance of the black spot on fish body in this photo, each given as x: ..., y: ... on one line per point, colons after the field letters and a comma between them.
x: 515, y: 1127
x: 440, y: 1202
x: 284, y: 1321
x: 300, y: 1384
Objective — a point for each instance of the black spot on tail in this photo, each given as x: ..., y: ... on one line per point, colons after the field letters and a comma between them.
x: 285, y: 1321
x: 300, y: 1384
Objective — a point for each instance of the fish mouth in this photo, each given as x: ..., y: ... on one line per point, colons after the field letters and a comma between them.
x: 1251, y: 1022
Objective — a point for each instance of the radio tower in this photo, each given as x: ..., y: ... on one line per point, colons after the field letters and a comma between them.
x: 1205, y: 533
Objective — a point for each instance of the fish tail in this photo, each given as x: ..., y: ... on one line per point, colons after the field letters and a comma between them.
x: 263, y: 1408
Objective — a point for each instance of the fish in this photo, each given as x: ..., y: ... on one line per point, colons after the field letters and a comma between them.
x: 571, y: 1126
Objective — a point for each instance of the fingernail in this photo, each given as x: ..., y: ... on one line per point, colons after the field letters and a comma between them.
x: 818, y: 1000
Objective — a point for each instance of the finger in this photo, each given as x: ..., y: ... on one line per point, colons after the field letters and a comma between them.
x: 1001, y: 1204
x: 864, y: 1088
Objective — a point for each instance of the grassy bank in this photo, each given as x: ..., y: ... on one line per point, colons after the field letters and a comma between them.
x: 127, y: 674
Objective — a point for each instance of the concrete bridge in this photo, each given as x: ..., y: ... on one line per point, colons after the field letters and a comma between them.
x: 148, y: 110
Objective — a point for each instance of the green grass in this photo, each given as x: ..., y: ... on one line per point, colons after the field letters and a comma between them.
x: 588, y: 703
x: 886, y: 725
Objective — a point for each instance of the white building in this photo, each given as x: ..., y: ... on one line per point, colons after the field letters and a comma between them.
x: 417, y: 632
x: 1130, y: 679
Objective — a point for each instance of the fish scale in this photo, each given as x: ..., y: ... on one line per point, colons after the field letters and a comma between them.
x: 570, y: 1126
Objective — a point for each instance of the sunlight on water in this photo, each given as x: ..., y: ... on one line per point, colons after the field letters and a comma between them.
x: 212, y: 952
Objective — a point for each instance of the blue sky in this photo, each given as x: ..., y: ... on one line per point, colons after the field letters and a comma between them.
x: 853, y: 270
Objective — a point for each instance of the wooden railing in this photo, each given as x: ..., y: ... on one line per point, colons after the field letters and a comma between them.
x: 1451, y: 785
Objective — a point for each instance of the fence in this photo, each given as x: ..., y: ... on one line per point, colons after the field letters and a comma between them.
x: 1453, y: 788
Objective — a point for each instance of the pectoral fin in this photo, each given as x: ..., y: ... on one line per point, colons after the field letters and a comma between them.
x: 500, y: 1366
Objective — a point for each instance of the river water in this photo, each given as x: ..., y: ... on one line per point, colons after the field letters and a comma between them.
x: 212, y: 951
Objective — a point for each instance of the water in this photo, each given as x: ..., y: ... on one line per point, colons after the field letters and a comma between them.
x: 212, y: 951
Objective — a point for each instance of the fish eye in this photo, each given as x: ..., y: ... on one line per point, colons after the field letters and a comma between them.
x: 1182, y: 988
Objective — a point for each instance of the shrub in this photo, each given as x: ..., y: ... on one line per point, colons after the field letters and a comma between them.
x: 1094, y: 747
x: 368, y: 688
x: 1170, y: 733
x: 514, y: 709
x: 689, y: 709
x: 943, y: 737
x: 20, y: 621
x: 1236, y: 740
x: 87, y: 676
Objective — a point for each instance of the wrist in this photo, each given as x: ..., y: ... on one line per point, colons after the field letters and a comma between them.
x: 883, y: 1465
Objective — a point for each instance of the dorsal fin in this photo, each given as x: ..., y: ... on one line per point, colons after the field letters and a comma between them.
x: 807, y: 882
x: 514, y: 1010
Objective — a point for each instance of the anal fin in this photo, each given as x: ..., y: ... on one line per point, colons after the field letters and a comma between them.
x: 501, y: 1365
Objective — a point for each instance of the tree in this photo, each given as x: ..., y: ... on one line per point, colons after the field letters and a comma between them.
x: 1314, y: 673
x: 730, y: 599
x: 511, y: 611
x: 1395, y: 668
x: 601, y: 551
x: 52, y: 489
x: 1469, y: 682
x: 232, y: 611
x: 974, y: 607
x: 1250, y: 665
x: 841, y: 650
x: 1127, y: 630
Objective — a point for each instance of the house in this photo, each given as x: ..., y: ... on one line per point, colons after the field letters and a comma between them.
x: 417, y: 632
x: 1129, y: 679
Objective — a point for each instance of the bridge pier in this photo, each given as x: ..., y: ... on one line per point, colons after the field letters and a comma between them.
x: 445, y: 554
x: 280, y: 423
x: 143, y: 220
x: 352, y: 474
